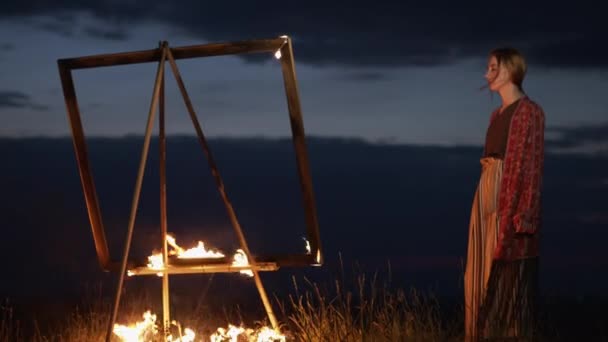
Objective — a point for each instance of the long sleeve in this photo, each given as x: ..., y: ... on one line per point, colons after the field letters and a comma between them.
x: 519, y: 197
x: 530, y: 157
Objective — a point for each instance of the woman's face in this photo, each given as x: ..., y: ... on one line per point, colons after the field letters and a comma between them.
x: 496, y: 75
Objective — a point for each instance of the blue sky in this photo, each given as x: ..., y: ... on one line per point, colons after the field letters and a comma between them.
x: 370, y: 73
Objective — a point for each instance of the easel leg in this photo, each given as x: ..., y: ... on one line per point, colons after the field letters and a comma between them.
x: 135, y: 202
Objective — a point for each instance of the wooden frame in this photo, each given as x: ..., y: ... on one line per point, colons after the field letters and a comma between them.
x: 164, y: 54
x: 283, y: 44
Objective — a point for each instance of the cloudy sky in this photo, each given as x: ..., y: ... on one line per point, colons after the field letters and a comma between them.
x: 398, y: 72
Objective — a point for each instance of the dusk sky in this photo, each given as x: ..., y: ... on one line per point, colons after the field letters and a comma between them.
x: 389, y: 72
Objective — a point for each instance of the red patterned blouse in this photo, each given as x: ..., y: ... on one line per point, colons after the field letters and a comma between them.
x: 519, y: 200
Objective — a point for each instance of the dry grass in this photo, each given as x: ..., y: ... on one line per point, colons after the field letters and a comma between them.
x: 10, y: 329
x: 368, y: 310
x: 362, y: 308
x: 317, y: 313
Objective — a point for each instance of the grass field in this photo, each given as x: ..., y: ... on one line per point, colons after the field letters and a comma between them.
x: 368, y: 310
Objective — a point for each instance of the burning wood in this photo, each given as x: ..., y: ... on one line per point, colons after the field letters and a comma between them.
x: 194, y: 254
x: 240, y: 259
x: 198, y: 252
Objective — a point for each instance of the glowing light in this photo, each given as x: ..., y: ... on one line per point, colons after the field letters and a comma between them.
x: 267, y: 334
x: 155, y: 261
x: 188, y: 336
x: 278, y: 53
x: 234, y: 334
x: 318, y: 258
x: 308, y: 250
x: 240, y: 259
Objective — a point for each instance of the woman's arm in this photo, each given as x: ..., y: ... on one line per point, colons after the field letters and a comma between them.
x: 527, y: 157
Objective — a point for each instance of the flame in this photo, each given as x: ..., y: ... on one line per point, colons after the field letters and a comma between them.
x: 139, y: 331
x: 308, y: 250
x: 231, y: 333
x: 195, y: 252
x: 155, y: 261
x: 240, y: 259
x: 264, y: 334
x: 200, y: 252
x: 188, y: 337
x: 278, y: 54
x: 145, y: 330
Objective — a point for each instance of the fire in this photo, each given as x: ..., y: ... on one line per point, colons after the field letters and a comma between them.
x: 308, y: 249
x: 195, y: 252
x: 138, y: 332
x: 155, y: 261
x: 232, y: 334
x: 188, y: 337
x: 266, y: 334
x: 145, y: 331
x: 240, y: 259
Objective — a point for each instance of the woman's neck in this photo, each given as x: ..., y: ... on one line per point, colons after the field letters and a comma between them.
x: 509, y: 94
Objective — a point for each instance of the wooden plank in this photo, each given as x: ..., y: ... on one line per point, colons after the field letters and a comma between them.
x: 289, y: 260
x: 193, y: 51
x: 84, y: 169
x: 196, y: 269
x: 299, y: 143
x: 136, y: 194
x: 163, y: 203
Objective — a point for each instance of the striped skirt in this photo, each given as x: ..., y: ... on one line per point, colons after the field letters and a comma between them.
x: 499, y: 295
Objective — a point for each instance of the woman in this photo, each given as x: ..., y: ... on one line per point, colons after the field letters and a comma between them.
x: 502, y: 258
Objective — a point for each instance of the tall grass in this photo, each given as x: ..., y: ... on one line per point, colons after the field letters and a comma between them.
x: 10, y: 329
x: 314, y: 312
x: 360, y: 308
x: 365, y: 309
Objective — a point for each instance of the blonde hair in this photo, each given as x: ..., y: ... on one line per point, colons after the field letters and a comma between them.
x: 515, y: 63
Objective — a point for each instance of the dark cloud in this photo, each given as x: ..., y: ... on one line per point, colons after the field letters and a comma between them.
x: 17, y: 99
x: 376, y: 33
x: 7, y: 47
x: 109, y: 34
x: 13, y: 99
x: 569, y: 137
x: 69, y: 24
x: 58, y: 27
